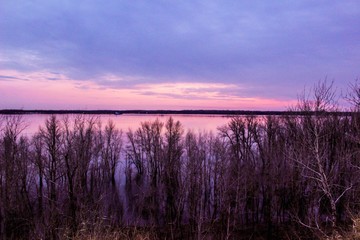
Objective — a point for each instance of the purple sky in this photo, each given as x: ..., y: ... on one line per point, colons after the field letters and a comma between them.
x: 173, y: 54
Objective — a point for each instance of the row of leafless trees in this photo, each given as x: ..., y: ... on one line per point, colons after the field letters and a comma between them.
x: 73, y: 174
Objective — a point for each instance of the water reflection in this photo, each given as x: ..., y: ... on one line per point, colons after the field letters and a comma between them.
x: 126, y: 121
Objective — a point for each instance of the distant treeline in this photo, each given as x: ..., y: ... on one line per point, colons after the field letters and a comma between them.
x: 173, y: 112
x: 268, y: 177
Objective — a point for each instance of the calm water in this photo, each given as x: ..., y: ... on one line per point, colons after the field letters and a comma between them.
x: 126, y: 121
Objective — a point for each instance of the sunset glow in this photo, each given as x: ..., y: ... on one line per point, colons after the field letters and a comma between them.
x: 44, y: 93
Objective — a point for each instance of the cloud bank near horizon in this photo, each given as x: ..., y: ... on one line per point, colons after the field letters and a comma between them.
x: 179, y: 50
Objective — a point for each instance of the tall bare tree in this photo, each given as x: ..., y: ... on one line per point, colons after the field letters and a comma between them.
x: 52, y: 138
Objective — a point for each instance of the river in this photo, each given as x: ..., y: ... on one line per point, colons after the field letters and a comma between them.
x: 197, y: 123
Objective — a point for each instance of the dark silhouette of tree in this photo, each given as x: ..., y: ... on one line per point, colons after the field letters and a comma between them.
x: 273, y: 177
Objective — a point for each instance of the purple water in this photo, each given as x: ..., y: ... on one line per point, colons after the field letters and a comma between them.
x: 190, y: 122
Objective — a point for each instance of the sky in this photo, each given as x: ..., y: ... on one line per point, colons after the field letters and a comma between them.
x: 188, y: 54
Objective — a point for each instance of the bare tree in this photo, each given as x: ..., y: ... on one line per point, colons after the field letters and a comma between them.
x: 84, y: 130
x: 171, y: 177
x: 12, y: 187
x: 134, y: 152
x: 111, y: 150
x: 312, y: 153
x: 51, y: 135
x: 71, y: 165
x: 152, y: 143
x: 38, y: 160
x: 353, y: 95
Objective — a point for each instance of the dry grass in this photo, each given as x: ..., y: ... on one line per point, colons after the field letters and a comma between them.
x: 355, y: 231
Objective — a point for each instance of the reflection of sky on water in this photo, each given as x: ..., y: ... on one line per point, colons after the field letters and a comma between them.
x: 126, y: 121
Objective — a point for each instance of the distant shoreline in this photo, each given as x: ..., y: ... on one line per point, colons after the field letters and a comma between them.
x: 169, y: 112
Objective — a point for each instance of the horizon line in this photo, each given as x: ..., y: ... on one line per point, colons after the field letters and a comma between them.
x: 174, y: 112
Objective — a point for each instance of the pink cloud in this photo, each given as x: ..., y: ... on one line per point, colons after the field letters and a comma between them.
x: 43, y: 90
